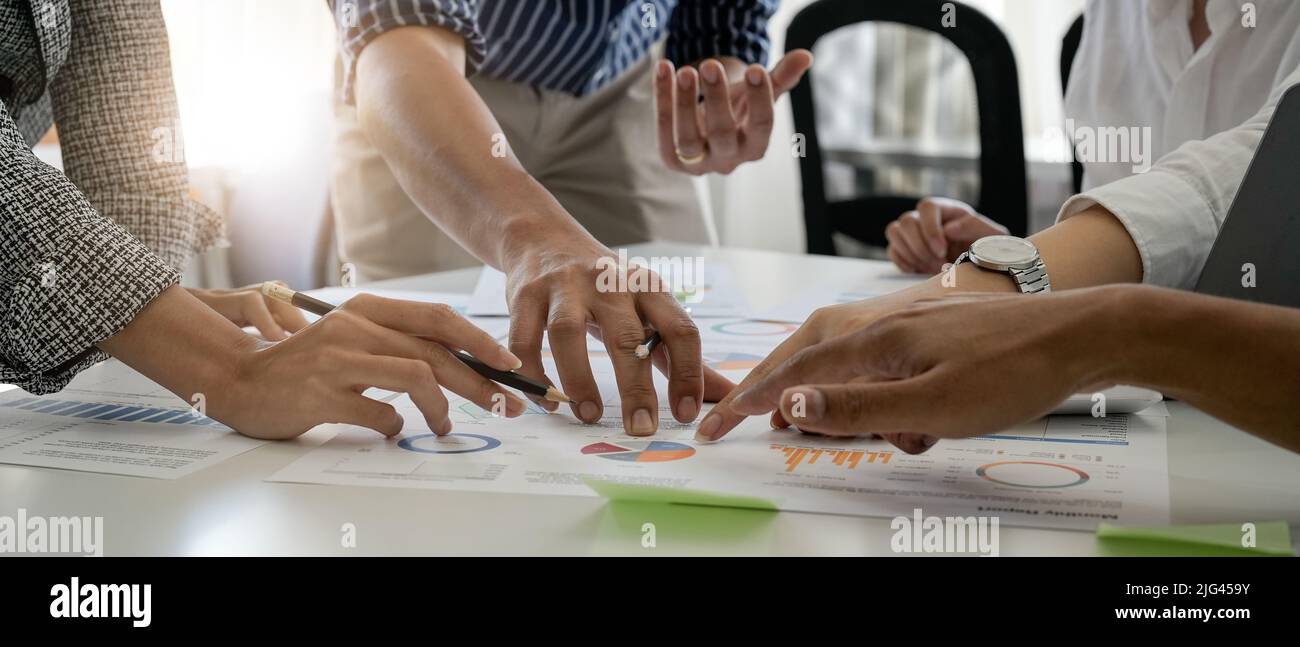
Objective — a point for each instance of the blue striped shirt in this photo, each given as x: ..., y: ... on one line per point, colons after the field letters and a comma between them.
x: 573, y: 46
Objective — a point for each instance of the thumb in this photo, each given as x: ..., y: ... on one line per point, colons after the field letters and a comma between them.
x: 857, y: 409
x: 790, y: 69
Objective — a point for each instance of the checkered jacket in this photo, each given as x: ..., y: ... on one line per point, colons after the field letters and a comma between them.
x: 82, y: 252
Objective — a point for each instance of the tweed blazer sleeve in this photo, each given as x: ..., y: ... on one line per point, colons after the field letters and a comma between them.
x: 120, y: 131
x: 82, y: 254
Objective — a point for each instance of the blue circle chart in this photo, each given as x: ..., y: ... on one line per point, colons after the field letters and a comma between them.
x: 441, y: 445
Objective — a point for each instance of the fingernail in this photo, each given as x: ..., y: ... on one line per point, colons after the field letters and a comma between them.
x: 683, y: 81
x: 642, y: 424
x: 805, y: 404
x: 590, y: 411
x: 940, y: 248
x: 711, y: 425
x: 687, y: 409
x: 755, y: 76
x: 664, y: 69
x: 710, y: 73
x: 929, y: 441
x: 511, y: 360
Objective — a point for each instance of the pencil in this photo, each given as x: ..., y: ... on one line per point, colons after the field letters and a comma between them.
x: 282, y: 292
x: 643, y: 351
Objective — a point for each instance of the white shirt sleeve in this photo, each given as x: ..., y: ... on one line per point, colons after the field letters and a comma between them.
x: 1174, y: 211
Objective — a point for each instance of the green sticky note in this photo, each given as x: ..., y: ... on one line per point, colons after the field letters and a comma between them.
x: 615, y: 491
x: 1272, y: 538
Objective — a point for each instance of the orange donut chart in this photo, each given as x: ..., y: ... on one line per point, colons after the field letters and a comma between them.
x: 983, y: 472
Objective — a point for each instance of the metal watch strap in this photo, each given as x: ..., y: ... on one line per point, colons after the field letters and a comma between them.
x: 1032, y: 280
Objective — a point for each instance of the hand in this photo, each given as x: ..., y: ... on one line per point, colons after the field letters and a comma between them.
x: 733, y: 124
x: 937, y: 232
x: 824, y: 324
x: 945, y: 368
x: 557, y: 292
x: 318, y: 375
x: 247, y: 306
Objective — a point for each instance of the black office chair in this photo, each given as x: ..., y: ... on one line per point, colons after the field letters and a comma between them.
x: 1070, y: 47
x: 1003, y: 185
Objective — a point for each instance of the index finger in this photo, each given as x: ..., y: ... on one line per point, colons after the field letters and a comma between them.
x: 436, y: 321
x: 722, y: 418
x: 829, y: 362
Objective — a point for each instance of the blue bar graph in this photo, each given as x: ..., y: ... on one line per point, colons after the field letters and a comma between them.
x: 97, y: 410
x: 116, y: 412
x: 165, y: 415
x: 79, y: 408
x: 63, y: 406
x: 141, y: 414
x: 38, y: 404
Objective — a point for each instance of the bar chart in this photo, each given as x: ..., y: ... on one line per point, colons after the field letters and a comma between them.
x: 111, y: 412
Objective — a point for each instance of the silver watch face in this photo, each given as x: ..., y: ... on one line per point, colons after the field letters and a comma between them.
x: 1004, y: 252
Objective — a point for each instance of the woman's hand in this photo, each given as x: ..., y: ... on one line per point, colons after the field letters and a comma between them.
x: 937, y: 232
x: 319, y: 374
x: 247, y: 306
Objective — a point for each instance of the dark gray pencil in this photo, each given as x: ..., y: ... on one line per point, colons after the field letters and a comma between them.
x: 282, y: 292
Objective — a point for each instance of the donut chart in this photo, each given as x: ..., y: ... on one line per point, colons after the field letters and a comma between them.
x: 449, y: 444
x: 640, y: 451
x: 1032, y: 474
x: 747, y: 328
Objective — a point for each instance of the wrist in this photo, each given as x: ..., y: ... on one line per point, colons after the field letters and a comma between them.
x: 524, y: 237
x: 1118, y: 344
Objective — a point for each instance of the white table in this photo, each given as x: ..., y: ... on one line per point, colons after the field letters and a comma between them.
x: 1217, y: 474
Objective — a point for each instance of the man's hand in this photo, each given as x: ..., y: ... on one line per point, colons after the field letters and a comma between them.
x: 825, y: 324
x: 945, y: 368
x: 553, y: 288
x: 732, y: 123
x: 937, y: 232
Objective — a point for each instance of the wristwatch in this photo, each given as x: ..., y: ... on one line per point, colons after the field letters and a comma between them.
x: 1015, y: 256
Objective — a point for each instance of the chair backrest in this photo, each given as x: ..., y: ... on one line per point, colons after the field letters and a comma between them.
x: 1070, y: 47
x: 1003, y: 184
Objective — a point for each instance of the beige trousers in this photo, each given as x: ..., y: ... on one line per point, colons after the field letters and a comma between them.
x: 596, y: 154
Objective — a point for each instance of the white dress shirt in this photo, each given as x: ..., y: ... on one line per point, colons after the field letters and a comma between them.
x: 1206, y: 109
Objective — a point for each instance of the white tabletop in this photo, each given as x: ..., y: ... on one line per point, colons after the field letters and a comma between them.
x: 1217, y: 474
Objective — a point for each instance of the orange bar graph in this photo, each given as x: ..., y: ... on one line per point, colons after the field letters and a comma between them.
x: 846, y: 458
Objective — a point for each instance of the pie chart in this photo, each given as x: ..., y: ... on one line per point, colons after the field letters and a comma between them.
x: 723, y: 361
x: 640, y: 451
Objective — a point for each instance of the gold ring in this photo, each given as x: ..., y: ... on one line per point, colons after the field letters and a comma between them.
x: 694, y: 159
